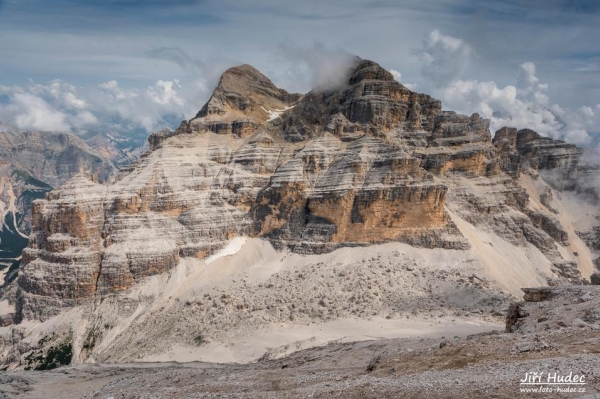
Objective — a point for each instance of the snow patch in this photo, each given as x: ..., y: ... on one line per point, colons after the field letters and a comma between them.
x: 275, y: 113
x: 232, y: 248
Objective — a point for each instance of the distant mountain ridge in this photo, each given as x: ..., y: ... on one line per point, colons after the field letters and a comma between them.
x: 31, y: 164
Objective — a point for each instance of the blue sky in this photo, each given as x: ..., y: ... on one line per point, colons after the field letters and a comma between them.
x: 139, y: 43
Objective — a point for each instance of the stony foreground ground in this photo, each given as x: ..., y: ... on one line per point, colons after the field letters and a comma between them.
x: 483, y: 366
x: 556, y: 331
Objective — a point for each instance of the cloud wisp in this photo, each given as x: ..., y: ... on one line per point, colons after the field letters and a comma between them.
x: 443, y: 58
x: 325, y: 68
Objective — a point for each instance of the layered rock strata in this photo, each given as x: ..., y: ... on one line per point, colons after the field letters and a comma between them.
x: 364, y: 163
x: 31, y: 163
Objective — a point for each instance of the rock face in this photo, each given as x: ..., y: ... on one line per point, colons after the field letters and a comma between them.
x: 121, y: 150
x: 31, y: 163
x: 371, y: 103
x: 365, y: 191
x: 549, y: 308
x: 527, y: 148
x: 243, y: 98
x: 369, y: 162
x: 53, y: 157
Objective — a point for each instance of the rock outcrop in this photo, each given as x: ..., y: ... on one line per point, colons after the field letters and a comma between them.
x: 549, y: 308
x: 53, y: 157
x: 31, y: 163
x: 368, y: 162
x: 242, y: 100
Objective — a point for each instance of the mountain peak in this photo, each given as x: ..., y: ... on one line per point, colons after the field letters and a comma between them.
x: 244, y: 71
x: 243, y: 79
x: 243, y: 91
x: 369, y: 70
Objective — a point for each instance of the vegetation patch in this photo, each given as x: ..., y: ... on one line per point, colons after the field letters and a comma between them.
x: 11, y: 274
x: 91, y: 339
x: 21, y: 175
x: 200, y: 339
x: 11, y: 242
x: 55, y: 356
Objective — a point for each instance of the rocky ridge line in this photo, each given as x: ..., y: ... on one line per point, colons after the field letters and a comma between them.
x: 365, y: 163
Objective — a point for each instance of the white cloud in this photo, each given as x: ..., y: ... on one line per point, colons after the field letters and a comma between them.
x: 397, y: 76
x: 527, y: 76
x: 165, y: 92
x: 111, y: 85
x: 443, y: 58
x: 84, y: 118
x: 32, y: 112
x: 72, y: 101
x: 324, y: 67
x: 523, y: 105
x: 60, y: 106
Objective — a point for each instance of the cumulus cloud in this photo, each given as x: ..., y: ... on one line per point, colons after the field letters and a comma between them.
x: 525, y: 104
x: 165, y: 92
x: 32, y: 112
x: 398, y: 77
x: 443, y: 58
x: 60, y: 106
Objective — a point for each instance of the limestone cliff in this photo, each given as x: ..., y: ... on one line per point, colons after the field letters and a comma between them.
x: 365, y: 163
x: 31, y: 163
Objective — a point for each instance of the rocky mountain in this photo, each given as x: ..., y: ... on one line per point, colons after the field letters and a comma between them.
x: 120, y: 150
x: 270, y: 207
x: 55, y: 157
x: 31, y: 164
